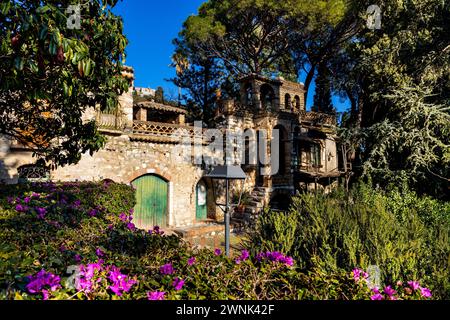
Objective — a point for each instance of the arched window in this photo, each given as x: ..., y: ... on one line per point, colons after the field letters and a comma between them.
x: 267, y: 96
x: 287, y: 101
x: 297, y: 103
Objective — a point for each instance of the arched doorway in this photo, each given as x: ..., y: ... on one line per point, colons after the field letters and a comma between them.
x: 151, y: 201
x: 201, y: 203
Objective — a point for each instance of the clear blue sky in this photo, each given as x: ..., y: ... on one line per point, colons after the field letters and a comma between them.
x: 150, y: 26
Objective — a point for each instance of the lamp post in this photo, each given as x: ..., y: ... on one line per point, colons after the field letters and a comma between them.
x: 226, y: 173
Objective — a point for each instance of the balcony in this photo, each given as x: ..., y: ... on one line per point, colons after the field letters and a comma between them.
x: 162, y: 132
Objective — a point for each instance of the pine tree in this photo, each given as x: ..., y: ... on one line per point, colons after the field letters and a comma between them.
x: 322, y: 96
x: 159, y: 95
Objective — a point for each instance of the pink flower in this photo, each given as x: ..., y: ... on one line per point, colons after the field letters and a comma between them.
x: 156, y: 295
x: 415, y: 285
x: 376, y: 296
x: 166, y: 269
x: 178, y: 284
x: 425, y: 292
x: 92, y: 212
x: 99, y: 252
x: 191, y: 261
x: 389, y: 291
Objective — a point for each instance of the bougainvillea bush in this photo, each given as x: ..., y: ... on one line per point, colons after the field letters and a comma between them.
x: 78, y: 241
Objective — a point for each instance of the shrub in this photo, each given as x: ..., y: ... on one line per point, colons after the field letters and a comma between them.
x: 65, y: 241
x: 339, y: 231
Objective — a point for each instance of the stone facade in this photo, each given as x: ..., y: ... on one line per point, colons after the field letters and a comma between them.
x: 138, y: 146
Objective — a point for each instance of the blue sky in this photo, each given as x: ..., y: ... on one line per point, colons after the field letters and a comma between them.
x: 150, y: 26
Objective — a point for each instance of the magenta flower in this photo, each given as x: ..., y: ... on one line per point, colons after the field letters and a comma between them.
x: 389, y: 291
x: 99, y: 252
x: 191, y: 261
x: 156, y: 230
x: 178, y: 284
x: 21, y: 208
x: 415, y: 285
x: 120, y: 281
x: 77, y: 203
x: 131, y: 226
x: 42, y: 282
x: 166, y: 269
x: 41, y: 212
x: 289, y: 261
x: 356, y: 274
x: 244, y: 255
x: 425, y: 292
x: 156, y: 295
x: 77, y: 258
x: 92, y: 212
x: 27, y: 200
x: 376, y: 296
x: 217, y: 252
x: 123, y: 217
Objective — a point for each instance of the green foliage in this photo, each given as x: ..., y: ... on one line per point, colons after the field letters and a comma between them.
x: 70, y: 233
x: 50, y: 73
x: 406, y: 236
x: 322, y: 96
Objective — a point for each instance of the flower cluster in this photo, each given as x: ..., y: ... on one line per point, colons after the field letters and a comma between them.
x: 244, y: 256
x: 43, y: 283
x: 156, y: 295
x: 94, y: 273
x: 120, y: 282
x: 411, y: 290
x: 275, y: 256
x: 167, y: 269
x: 359, y: 275
x: 156, y: 231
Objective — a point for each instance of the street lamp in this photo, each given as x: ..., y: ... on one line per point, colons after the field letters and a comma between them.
x: 226, y: 173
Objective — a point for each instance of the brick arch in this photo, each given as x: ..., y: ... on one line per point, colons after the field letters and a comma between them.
x: 143, y: 172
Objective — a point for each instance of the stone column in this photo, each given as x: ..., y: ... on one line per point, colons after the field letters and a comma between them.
x: 142, y: 114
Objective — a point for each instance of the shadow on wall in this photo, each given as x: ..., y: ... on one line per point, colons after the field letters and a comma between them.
x: 10, y: 160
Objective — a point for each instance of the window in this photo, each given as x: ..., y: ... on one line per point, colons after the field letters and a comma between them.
x: 287, y: 101
x: 315, y: 155
x: 297, y: 103
x: 267, y: 96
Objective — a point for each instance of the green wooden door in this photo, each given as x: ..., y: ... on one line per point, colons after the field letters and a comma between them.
x: 151, y: 202
x: 200, y: 196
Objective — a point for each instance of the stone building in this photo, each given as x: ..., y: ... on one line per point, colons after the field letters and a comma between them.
x: 175, y: 194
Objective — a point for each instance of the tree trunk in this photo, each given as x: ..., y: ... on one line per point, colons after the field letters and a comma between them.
x: 308, y: 81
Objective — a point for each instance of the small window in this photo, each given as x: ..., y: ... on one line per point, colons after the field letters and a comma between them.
x: 297, y: 103
x: 315, y: 155
x: 287, y: 101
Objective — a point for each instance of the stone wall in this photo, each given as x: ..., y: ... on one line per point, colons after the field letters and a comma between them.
x: 123, y: 161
